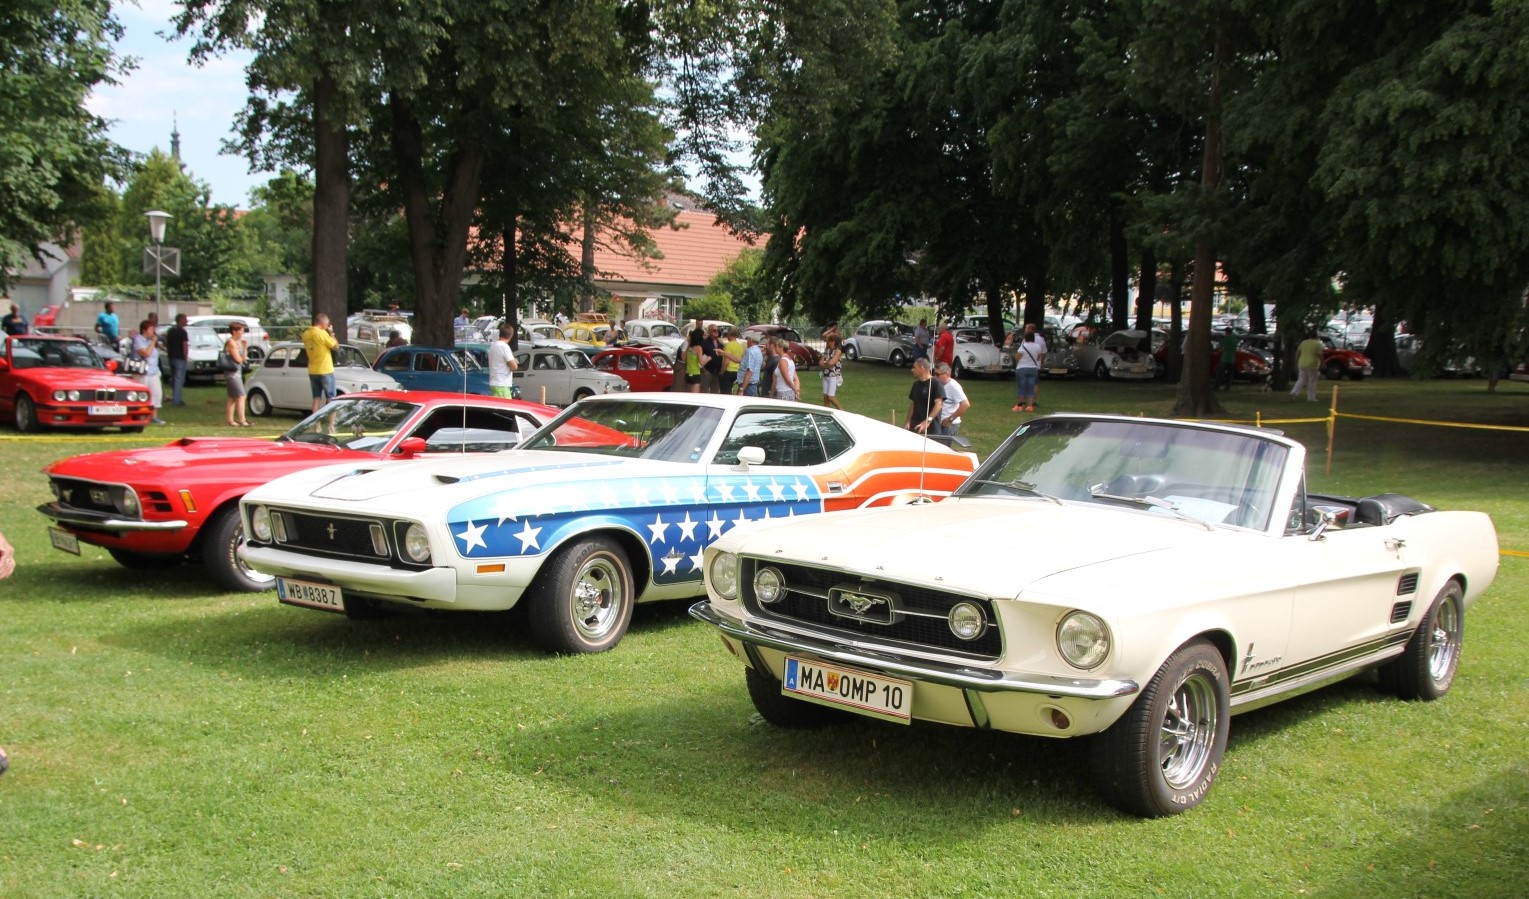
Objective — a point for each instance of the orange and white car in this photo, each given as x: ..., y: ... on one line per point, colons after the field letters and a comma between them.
x: 611, y: 504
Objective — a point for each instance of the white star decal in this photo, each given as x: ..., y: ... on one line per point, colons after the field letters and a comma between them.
x: 687, y: 528
x: 801, y: 490
x: 715, y: 525
x: 777, y: 490
x: 527, y: 536
x: 725, y: 491
x: 695, y: 561
x: 639, y: 494
x: 608, y: 496
x: 751, y: 489
x: 672, y: 563
x: 659, y: 529
x: 473, y: 536
x: 671, y: 495
x: 743, y: 516
x: 698, y: 491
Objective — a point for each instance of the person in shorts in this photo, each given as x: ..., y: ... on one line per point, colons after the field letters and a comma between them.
x: 832, y: 369
x: 234, y: 347
x: 502, y: 364
x: 320, y: 343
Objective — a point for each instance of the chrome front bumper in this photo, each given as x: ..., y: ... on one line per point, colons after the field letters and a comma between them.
x: 98, y: 521
x: 982, y: 680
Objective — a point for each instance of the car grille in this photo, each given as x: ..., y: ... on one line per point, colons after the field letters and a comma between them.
x: 918, y: 621
x: 330, y: 536
x: 85, y: 496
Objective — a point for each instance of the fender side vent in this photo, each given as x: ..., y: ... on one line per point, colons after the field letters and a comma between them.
x: 1408, y: 584
x: 1400, y: 611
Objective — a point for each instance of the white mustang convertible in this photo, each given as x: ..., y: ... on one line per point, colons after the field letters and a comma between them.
x: 1132, y: 578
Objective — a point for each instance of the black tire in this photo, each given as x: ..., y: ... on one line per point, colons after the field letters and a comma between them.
x: 144, y: 561
x: 26, y: 414
x: 582, y: 599
x: 254, y: 354
x: 1163, y: 755
x: 851, y: 353
x: 582, y: 393
x: 1333, y: 371
x: 1426, y: 668
x: 956, y: 370
x: 785, y: 711
x: 258, y: 403
x: 898, y: 359
x: 1101, y: 371
x: 221, y: 537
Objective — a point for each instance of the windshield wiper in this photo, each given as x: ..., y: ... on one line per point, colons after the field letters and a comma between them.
x: 1020, y: 487
x: 1151, y: 502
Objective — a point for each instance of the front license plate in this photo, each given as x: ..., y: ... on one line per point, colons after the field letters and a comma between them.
x: 107, y: 410
x: 1057, y: 371
x: 868, y: 694
x: 307, y: 593
x: 62, y: 539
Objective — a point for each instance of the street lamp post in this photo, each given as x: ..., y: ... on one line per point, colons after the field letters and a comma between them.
x: 157, y: 220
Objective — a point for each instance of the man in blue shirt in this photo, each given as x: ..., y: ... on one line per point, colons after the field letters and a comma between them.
x: 14, y: 324
x: 106, y: 324
x: 748, y: 366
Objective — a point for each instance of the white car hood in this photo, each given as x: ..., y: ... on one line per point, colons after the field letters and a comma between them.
x: 989, y: 546
x: 434, y: 483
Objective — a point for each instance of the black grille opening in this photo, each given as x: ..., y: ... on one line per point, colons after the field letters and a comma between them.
x: 1400, y: 611
x: 1407, y: 585
x: 920, y: 622
x: 328, y: 536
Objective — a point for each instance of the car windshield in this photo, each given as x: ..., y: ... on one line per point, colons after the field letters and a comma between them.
x: 203, y: 338
x: 40, y: 353
x: 669, y: 432
x: 663, y: 330
x: 356, y: 424
x: 1212, y: 476
x: 577, y: 359
x: 349, y: 357
x: 467, y: 359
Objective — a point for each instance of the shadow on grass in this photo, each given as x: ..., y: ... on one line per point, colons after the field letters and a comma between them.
x: 709, y: 756
x: 263, y: 638
x: 73, y: 580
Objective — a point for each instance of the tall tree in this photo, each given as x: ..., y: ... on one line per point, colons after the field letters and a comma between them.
x: 54, y: 154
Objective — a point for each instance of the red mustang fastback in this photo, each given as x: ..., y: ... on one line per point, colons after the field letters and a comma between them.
x: 160, y: 506
x: 60, y: 382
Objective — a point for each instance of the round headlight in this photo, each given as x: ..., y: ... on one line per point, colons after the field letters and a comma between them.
x: 769, y: 585
x: 722, y: 572
x: 260, y: 523
x: 416, y: 544
x: 126, y: 502
x: 966, y: 620
x: 1083, y: 640
x: 59, y: 396
x: 74, y: 396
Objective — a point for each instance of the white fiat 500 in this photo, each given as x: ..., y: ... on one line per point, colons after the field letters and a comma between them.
x: 1133, y: 578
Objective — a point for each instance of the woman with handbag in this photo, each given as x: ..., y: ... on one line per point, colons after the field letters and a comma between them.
x: 231, y: 363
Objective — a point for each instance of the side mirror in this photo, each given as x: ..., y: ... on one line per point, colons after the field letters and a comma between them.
x: 411, y: 446
x: 749, y: 456
x: 5, y: 364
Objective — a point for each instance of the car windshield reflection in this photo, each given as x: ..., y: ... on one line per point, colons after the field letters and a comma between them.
x: 363, y: 424
x: 1215, y: 477
x: 649, y: 430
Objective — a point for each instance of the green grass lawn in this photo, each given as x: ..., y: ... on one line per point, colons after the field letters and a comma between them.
x: 171, y: 741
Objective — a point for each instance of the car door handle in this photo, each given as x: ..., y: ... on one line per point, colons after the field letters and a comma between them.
x: 1394, y: 544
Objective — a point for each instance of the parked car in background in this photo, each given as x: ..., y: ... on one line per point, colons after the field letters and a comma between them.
x: 51, y: 381
x: 590, y: 334
x: 561, y: 377
x: 1409, y: 348
x: 281, y: 381
x: 45, y: 317
x: 803, y: 355
x: 1175, y: 573
x: 370, y: 333
x: 257, y: 342
x: 203, y: 344
x: 1123, y: 354
x: 610, y: 505
x: 159, y: 507
x: 980, y: 322
x: 1338, y: 362
x: 654, y: 332
x: 643, y: 368
x: 455, y: 370
x: 1252, y: 364
x: 881, y: 341
x: 977, y: 354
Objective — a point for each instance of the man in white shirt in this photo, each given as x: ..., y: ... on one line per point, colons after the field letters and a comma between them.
x: 956, y: 403
x: 501, y: 362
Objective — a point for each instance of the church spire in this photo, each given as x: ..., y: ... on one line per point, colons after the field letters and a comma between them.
x: 175, y: 141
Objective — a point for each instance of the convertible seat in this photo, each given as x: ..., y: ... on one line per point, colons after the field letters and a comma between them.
x: 1384, y: 508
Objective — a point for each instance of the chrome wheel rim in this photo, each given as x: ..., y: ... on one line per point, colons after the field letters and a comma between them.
x: 597, y: 598
x: 1188, y: 731
x: 1444, y: 639
x: 257, y: 577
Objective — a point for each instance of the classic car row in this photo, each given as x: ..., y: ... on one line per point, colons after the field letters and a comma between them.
x: 1173, y: 573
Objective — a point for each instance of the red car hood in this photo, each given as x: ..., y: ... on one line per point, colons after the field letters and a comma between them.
x: 238, y: 459
x: 76, y: 379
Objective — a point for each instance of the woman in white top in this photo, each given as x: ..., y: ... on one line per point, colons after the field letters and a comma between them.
x: 1029, y: 356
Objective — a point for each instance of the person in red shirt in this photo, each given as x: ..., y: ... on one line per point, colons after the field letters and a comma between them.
x: 945, y: 345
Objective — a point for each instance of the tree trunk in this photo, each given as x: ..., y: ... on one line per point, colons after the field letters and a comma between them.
x: 1176, y: 322
x: 509, y: 303
x: 995, y: 309
x: 1146, y: 290
x: 1035, y: 294
x: 437, y: 251
x: 587, y: 261
x: 1120, y: 271
x: 1195, y: 399
x: 1258, y: 323
x: 1382, y: 346
x: 331, y: 204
